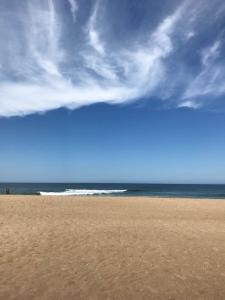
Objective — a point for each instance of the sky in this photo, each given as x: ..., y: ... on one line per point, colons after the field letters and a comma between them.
x: 112, y: 91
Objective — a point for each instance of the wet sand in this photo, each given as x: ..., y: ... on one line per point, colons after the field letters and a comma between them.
x: 111, y: 248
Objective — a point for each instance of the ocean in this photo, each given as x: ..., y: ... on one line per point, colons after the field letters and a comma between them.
x: 117, y: 189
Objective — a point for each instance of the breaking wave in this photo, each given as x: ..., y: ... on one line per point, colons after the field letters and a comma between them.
x: 72, y: 192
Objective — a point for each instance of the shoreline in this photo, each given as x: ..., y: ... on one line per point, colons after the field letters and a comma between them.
x: 91, y: 247
x: 112, y: 197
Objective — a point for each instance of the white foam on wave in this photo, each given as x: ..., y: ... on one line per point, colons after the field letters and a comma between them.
x: 72, y: 192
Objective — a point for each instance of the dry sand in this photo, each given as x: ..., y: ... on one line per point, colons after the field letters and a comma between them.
x: 111, y: 248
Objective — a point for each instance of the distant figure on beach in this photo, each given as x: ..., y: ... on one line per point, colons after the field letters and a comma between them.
x: 7, y: 191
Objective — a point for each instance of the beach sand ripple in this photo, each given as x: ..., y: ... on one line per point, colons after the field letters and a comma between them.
x: 111, y: 248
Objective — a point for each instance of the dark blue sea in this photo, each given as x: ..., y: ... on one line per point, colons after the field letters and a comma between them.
x: 122, y: 189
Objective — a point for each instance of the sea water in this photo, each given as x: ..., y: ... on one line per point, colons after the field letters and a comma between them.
x: 117, y: 189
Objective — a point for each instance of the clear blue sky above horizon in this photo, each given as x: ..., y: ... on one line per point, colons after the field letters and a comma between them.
x: 112, y: 91
x: 103, y: 143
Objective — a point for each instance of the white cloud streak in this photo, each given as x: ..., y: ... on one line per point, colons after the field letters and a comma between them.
x: 210, y: 53
x: 93, y: 34
x: 209, y: 82
x: 119, y: 77
x: 73, y: 8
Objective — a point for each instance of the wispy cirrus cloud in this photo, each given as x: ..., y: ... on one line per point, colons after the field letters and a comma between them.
x: 74, y: 8
x: 209, y: 82
x: 38, y: 72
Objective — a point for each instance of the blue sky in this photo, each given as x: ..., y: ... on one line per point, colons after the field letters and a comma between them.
x: 112, y: 91
x: 107, y: 143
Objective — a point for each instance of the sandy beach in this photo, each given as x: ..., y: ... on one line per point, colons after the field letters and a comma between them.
x: 111, y: 248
